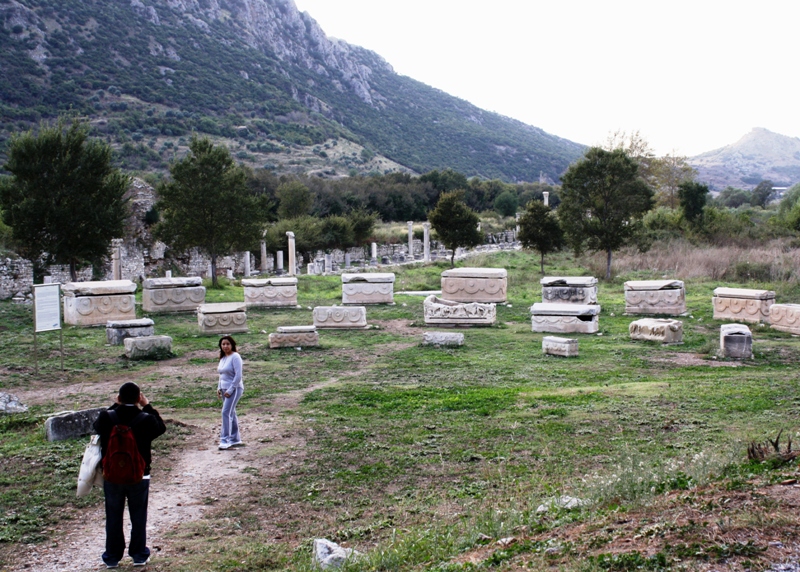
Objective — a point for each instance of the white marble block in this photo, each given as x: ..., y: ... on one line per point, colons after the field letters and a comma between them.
x: 483, y: 285
x: 294, y: 337
x: 95, y: 303
x: 222, y: 318
x: 118, y: 330
x: 439, y: 339
x: 449, y: 313
x: 340, y: 317
x: 273, y: 292
x: 735, y: 341
x: 657, y: 330
x: 785, y: 317
x: 565, y: 318
x: 148, y: 347
x: 368, y: 288
x: 569, y: 289
x: 666, y: 297
x: 554, y: 346
x: 742, y: 304
x: 173, y: 294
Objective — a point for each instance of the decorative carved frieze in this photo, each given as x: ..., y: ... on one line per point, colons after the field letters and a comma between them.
x: 785, y: 317
x: 173, y: 294
x: 742, y: 305
x: 95, y: 303
x: 666, y: 297
x: 569, y: 289
x: 483, y: 285
x: 340, y: 317
x: 270, y: 292
x: 655, y: 330
x: 222, y: 318
x: 294, y: 337
x: 449, y: 313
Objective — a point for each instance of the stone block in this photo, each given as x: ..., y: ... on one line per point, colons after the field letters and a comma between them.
x: 368, y: 288
x: 565, y: 318
x: 655, y: 330
x: 222, y: 318
x: 148, y: 347
x: 785, y: 318
x: 439, y: 339
x: 554, y: 346
x: 742, y: 304
x: 11, y: 404
x: 482, y: 285
x: 339, y: 317
x: 667, y: 297
x: 294, y: 337
x: 119, y: 330
x: 569, y: 289
x: 277, y: 292
x: 95, y: 303
x: 71, y: 424
x: 169, y: 295
x: 735, y: 341
x: 448, y: 313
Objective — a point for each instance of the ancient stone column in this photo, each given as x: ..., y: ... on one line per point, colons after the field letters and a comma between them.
x: 347, y: 260
x: 426, y: 241
x: 517, y: 218
x: 263, y: 256
x: 292, y: 255
x: 168, y: 274
x: 374, y: 258
x: 279, y: 256
x: 410, y: 239
x: 546, y: 198
x: 328, y: 263
x: 247, y: 264
x: 116, y: 266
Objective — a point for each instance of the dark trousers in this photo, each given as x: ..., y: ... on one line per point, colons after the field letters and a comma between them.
x: 137, y: 496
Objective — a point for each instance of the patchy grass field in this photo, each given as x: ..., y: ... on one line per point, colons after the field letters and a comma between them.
x: 438, y: 459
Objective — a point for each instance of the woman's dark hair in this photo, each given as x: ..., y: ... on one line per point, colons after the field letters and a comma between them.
x: 222, y: 339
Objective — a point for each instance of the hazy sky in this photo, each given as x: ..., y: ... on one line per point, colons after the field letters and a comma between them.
x: 690, y: 76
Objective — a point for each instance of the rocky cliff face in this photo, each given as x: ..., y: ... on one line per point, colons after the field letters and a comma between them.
x: 760, y: 155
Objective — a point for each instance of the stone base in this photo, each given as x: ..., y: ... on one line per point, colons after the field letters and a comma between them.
x: 448, y: 313
x: 742, y: 305
x: 736, y: 341
x: 222, y: 318
x: 565, y: 347
x: 338, y: 317
x: 785, y: 318
x: 565, y: 324
x: 148, y: 347
x: 652, y: 330
x: 440, y: 339
x: 97, y: 310
x: 172, y: 300
x: 118, y: 330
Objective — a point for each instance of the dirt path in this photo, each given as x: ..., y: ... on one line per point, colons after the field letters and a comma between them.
x: 182, y: 495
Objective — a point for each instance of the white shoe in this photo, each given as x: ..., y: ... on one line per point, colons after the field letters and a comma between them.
x: 237, y: 444
x: 224, y: 446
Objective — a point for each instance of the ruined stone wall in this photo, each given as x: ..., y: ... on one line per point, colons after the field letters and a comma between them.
x: 16, y: 277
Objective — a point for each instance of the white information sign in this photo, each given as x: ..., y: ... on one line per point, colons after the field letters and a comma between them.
x: 47, y: 307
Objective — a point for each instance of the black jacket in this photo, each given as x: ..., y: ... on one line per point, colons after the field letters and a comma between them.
x: 145, y: 431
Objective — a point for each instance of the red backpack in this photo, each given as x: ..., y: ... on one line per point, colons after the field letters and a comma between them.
x: 123, y: 464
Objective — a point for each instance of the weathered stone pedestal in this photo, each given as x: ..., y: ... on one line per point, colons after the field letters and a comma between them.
x: 569, y: 290
x: 340, y: 317
x: 565, y: 318
x: 666, y: 297
x: 443, y: 339
x: 368, y: 288
x: 742, y: 305
x: 173, y: 294
x: 785, y: 318
x: 222, y: 318
x: 654, y: 330
x: 448, y: 313
x: 118, y: 330
x: 554, y: 346
x: 294, y: 337
x: 95, y: 303
x: 482, y: 285
x: 735, y: 341
x: 148, y: 347
x: 270, y: 292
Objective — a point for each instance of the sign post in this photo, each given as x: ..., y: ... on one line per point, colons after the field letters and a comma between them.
x: 47, y: 316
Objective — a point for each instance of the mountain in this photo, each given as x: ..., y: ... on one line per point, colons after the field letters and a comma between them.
x: 760, y: 155
x: 258, y: 74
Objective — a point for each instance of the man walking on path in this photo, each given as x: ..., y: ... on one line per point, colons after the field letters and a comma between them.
x: 145, y: 424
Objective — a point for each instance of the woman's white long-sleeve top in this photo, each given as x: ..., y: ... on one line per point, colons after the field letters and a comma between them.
x: 230, y: 372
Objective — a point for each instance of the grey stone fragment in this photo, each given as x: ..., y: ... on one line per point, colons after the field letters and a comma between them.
x: 328, y: 554
x: 736, y: 341
x: 71, y: 424
x: 448, y: 339
x: 118, y: 330
x: 148, y: 347
x: 10, y: 404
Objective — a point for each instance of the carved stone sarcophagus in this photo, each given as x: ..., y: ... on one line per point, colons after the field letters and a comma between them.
x: 483, y: 285
x: 569, y: 290
x: 173, y: 294
x: 655, y: 297
x: 565, y: 318
x: 276, y: 292
x: 449, y: 313
x: 340, y: 317
x: 742, y: 305
x: 95, y: 303
x: 655, y: 330
x: 368, y: 288
x: 554, y: 346
x: 222, y: 318
x: 785, y: 317
x: 294, y: 337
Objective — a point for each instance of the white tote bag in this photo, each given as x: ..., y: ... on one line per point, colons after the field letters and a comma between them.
x: 91, y: 472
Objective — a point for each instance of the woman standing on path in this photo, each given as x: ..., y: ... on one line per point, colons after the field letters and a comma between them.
x: 230, y: 389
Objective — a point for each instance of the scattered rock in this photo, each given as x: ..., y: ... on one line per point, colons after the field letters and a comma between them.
x: 563, y: 501
x: 10, y: 404
x: 328, y: 554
